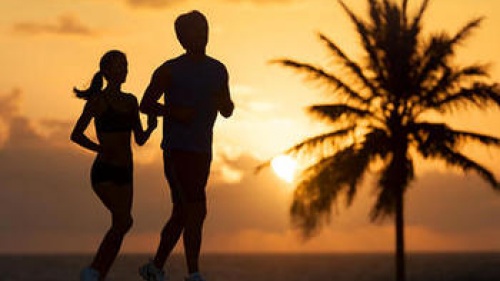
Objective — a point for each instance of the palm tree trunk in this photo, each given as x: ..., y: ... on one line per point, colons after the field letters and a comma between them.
x: 400, y: 243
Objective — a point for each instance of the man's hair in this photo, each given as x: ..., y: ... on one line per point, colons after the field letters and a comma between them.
x: 184, y: 21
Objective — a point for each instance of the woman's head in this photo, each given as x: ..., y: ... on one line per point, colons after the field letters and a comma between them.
x: 192, y: 31
x: 113, y: 67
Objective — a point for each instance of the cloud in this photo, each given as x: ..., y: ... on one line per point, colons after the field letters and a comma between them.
x: 452, y: 203
x: 66, y: 24
x: 46, y: 202
x: 153, y: 3
x: 45, y: 190
x: 167, y: 3
x: 9, y: 108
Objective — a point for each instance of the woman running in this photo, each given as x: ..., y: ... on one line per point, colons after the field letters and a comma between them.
x: 116, y: 116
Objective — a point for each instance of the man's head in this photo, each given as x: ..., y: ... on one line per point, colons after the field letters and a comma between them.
x: 192, y: 31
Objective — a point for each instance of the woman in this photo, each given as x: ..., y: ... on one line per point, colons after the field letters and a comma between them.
x: 116, y: 116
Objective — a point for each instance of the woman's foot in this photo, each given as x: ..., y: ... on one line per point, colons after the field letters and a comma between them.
x: 89, y: 274
x: 195, y: 277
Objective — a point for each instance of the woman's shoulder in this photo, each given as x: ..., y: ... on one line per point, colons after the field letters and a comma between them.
x: 95, y: 104
x: 129, y: 98
x: 129, y: 102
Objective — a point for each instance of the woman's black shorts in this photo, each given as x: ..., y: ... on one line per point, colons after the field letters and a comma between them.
x: 105, y: 172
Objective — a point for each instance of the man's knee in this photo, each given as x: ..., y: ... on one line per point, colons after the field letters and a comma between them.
x: 197, y: 212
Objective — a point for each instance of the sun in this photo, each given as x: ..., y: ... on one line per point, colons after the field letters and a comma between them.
x: 285, y: 167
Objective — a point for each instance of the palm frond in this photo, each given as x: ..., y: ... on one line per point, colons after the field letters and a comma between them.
x: 334, y: 112
x: 350, y: 64
x: 375, y: 12
x: 415, y: 25
x: 479, y: 94
x: 438, y: 141
x: 440, y: 49
x: 396, y: 175
x: 316, y: 143
x: 322, y: 185
x: 432, y: 136
x: 367, y: 40
x: 404, y: 10
x: 457, y: 159
x: 449, y: 80
x: 466, y: 31
x: 319, y: 73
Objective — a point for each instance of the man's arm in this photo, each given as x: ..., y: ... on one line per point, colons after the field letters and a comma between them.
x: 224, y: 103
x: 149, y: 102
x: 150, y: 105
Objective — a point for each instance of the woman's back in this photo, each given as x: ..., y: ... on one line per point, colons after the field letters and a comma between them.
x: 114, y: 116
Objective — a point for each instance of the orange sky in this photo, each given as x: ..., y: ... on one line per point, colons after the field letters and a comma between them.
x: 50, y: 46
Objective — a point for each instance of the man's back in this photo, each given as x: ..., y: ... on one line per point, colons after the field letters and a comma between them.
x: 195, y: 84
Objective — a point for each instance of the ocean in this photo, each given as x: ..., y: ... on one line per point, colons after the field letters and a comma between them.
x: 267, y: 267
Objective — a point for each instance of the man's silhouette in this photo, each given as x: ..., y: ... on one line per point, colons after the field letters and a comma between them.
x: 195, y: 88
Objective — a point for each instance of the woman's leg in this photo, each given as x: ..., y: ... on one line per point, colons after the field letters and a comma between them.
x: 118, y: 200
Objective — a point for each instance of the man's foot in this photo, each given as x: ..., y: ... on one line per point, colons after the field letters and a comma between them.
x: 89, y: 274
x: 195, y: 277
x: 150, y: 272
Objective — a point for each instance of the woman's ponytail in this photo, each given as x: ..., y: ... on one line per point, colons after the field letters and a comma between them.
x: 94, y: 88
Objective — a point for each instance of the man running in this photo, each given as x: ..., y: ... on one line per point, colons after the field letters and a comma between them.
x: 195, y: 88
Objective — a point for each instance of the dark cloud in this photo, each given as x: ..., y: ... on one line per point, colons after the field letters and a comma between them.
x: 46, y: 202
x: 45, y: 190
x: 451, y: 203
x: 9, y: 104
x: 66, y: 24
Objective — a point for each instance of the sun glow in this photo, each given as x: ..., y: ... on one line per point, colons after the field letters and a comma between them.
x: 285, y: 167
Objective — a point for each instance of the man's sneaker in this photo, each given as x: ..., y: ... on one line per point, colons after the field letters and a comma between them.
x: 150, y: 272
x: 195, y: 277
x: 89, y: 274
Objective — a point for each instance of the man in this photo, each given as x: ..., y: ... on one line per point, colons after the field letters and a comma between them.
x: 195, y: 89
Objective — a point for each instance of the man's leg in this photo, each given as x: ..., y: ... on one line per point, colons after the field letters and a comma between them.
x: 195, y: 216
x: 170, y: 235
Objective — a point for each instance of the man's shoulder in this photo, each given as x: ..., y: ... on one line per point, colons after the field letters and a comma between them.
x: 165, y: 69
x: 165, y: 66
x: 215, y: 62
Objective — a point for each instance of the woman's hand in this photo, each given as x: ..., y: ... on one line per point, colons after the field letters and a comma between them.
x: 152, y: 122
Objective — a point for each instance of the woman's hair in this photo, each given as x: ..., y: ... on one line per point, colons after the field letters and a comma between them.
x: 98, y: 79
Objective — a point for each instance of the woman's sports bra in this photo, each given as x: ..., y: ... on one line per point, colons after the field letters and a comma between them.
x: 112, y: 120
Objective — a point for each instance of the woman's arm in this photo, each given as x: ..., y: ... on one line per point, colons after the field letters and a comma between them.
x: 78, y: 134
x: 141, y: 135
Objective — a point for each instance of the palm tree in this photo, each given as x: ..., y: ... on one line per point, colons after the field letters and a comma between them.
x: 380, y: 118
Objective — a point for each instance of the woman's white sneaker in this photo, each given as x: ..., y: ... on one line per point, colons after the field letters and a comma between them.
x: 89, y: 274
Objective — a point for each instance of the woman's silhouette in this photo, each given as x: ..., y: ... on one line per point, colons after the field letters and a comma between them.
x: 116, y: 116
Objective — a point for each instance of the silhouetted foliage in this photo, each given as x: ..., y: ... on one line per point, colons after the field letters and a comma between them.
x: 379, y: 116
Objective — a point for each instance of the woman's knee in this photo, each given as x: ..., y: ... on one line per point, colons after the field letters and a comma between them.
x: 123, y: 224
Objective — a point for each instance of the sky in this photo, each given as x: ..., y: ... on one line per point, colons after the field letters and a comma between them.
x: 51, y: 46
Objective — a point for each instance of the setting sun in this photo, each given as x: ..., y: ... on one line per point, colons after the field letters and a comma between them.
x: 285, y: 167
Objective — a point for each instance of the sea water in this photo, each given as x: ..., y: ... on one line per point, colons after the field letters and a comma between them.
x: 267, y: 267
